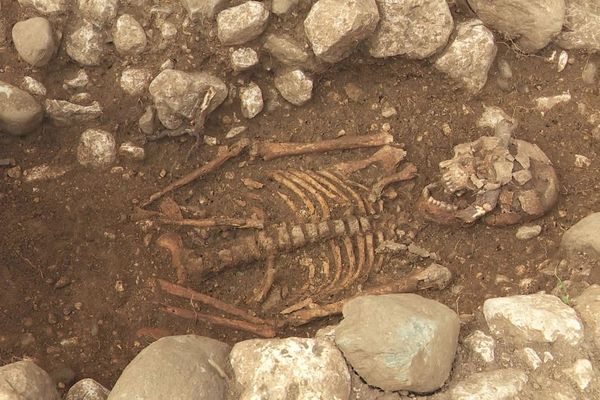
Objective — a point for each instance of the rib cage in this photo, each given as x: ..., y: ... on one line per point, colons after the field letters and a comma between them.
x: 348, y: 241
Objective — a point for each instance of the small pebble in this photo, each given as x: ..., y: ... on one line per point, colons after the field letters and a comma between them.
x: 588, y: 75
x: 582, y: 161
x: 388, y: 111
x: 528, y: 232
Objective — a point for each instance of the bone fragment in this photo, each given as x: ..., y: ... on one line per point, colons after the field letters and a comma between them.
x: 269, y: 151
x: 173, y: 244
x: 267, y: 282
x: 387, y: 156
x: 241, y: 223
x: 409, y: 172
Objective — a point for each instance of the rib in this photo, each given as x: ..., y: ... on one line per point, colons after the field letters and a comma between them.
x: 295, y: 189
x: 325, y: 211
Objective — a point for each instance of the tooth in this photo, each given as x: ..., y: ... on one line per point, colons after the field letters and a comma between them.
x: 430, y: 200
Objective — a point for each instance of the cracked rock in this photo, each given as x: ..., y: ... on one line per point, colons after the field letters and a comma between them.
x: 34, y: 41
x: 240, y: 24
x: 20, y: 113
x: 582, y: 26
x: 86, y: 45
x: 251, y: 99
x: 129, y: 36
x: 135, y: 81
x: 334, y: 27
x: 294, y: 86
x: 532, y: 23
x: 97, y: 149
x: 469, y: 58
x: 63, y: 113
x: 101, y: 13
x: 416, y: 29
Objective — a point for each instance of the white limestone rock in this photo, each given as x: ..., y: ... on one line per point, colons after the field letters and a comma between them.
x: 399, y: 341
x: 530, y: 357
x: 535, y: 318
x: 281, y: 7
x: 531, y: 23
x: 177, y: 95
x: 285, y: 50
x: 243, y: 23
x: 135, y: 81
x: 97, y: 149
x: 251, y: 99
x: 129, y: 37
x: 582, y: 26
x: 101, y: 13
x: 588, y: 307
x: 34, y: 41
x: 583, y: 237
x: 204, y: 8
x: 243, y: 59
x: 334, y: 27
x: 298, y: 368
x: 470, y: 56
x: 131, y: 151
x: 87, y: 389
x: 79, y: 81
x: 186, y: 367
x: 33, y: 86
x: 502, y: 384
x: 86, y: 44
x: 294, y: 86
x: 581, y: 373
x: 20, y: 113
x: 415, y: 28
x: 23, y: 380
x: 483, y: 345
x: 64, y: 113
x: 47, y: 7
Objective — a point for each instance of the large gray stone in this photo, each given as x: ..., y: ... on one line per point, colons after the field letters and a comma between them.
x: 34, y: 41
x: 175, y: 367
x: 588, y: 307
x: 20, y: 113
x: 470, y: 56
x: 335, y: 27
x: 533, y: 23
x: 86, y: 44
x: 413, y: 28
x: 237, y: 25
x: 129, y: 36
x: 178, y: 95
x: 24, y: 380
x: 87, y: 389
x: 204, y: 8
x: 535, y: 318
x: 399, y: 341
x: 47, y: 7
x: 583, y: 237
x: 293, y: 368
x: 503, y: 384
x: 99, y: 12
x: 582, y: 25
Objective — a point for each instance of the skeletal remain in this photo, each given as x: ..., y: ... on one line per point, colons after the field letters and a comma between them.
x: 500, y: 179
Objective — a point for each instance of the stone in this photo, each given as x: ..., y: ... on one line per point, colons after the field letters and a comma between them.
x: 135, y: 81
x: 530, y: 357
x: 97, y: 149
x: 535, y: 318
x: 34, y: 41
x: 481, y: 344
x: 416, y: 29
x: 243, y: 59
x: 33, y: 86
x: 65, y: 113
x: 399, y: 341
x: 204, y: 8
x: 589, y: 72
x: 295, y: 86
x: 23, y: 380
x: 146, y: 121
x: 87, y: 389
x: 83, y: 98
x: 20, y: 113
x: 334, y: 27
x: 527, y: 232
x: 587, y: 306
x: 251, y: 99
x: 581, y: 373
x: 131, y: 151
x: 44, y: 172
x: 582, y: 26
x: 531, y: 23
x: 177, y: 95
x: 101, y: 13
x: 243, y: 23
x: 195, y: 367
x: 502, y: 384
x: 79, y: 81
x: 292, y: 368
x: 129, y: 37
x: 470, y: 56
x: 281, y: 7
x: 286, y: 51
x: 47, y: 7
x: 583, y: 236
x: 86, y: 44
x: 546, y: 103
x: 551, y: 389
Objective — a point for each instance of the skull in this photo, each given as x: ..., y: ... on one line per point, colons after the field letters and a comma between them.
x: 503, y: 180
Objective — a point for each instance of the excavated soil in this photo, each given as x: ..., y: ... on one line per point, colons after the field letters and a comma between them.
x: 77, y: 230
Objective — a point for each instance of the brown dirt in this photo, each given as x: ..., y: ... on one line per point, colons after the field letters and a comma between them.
x: 78, y: 227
